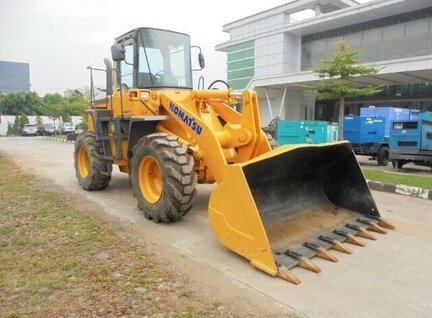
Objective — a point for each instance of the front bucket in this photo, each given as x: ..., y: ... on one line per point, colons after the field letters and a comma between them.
x: 293, y: 203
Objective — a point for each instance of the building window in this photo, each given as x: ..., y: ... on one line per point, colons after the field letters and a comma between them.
x: 241, y: 64
x: 394, y: 41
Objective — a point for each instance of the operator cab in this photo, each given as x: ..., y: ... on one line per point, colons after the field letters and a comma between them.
x: 154, y: 58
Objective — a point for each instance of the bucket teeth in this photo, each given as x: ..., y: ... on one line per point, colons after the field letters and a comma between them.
x: 385, y: 223
x: 376, y: 228
x: 303, y: 261
x: 306, y: 263
x: 287, y: 275
x: 321, y: 252
x: 336, y: 245
x: 361, y: 231
x: 300, y: 256
x: 349, y: 238
x: 372, y: 226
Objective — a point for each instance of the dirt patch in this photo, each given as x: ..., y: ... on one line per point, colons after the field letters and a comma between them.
x: 215, y: 291
x: 289, y: 232
x: 58, y: 260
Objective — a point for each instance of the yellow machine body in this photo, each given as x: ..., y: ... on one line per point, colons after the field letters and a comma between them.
x: 277, y: 208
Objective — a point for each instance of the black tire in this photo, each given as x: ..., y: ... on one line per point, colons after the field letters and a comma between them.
x: 96, y: 173
x: 383, y: 156
x: 399, y: 163
x: 176, y: 171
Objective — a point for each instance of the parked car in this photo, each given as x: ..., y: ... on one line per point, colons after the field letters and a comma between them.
x: 66, y: 128
x: 79, y: 128
x: 46, y: 129
x: 29, y: 130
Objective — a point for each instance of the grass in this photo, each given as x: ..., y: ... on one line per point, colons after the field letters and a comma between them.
x: 424, y: 182
x: 51, y: 263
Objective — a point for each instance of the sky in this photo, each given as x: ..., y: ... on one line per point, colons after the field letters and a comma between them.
x: 60, y: 38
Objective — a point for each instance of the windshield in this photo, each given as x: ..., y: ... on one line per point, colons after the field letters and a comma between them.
x: 163, y: 59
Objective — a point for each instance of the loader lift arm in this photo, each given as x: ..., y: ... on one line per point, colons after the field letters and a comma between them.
x: 239, y: 139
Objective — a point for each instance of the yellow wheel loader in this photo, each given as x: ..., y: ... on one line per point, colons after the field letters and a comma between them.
x: 277, y: 208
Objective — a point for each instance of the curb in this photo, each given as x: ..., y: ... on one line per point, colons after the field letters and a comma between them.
x: 400, y: 189
x: 57, y: 139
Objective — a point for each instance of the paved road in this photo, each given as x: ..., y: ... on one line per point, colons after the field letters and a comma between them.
x: 391, y: 277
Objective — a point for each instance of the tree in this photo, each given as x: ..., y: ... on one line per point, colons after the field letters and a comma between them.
x: 52, y: 106
x: 28, y: 103
x: 10, y: 130
x: 2, y: 97
x: 75, y: 104
x: 66, y: 118
x: 23, y: 120
x: 56, y: 106
x: 53, y: 111
x: 39, y: 121
x: 338, y: 72
x: 16, y: 126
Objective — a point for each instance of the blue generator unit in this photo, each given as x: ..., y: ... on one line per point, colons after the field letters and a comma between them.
x: 389, y: 113
x: 411, y: 141
x: 367, y: 136
x: 362, y: 130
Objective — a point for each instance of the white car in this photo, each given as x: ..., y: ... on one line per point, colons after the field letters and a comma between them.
x: 29, y: 130
x: 66, y: 128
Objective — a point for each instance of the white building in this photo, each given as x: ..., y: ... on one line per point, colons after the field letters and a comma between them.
x: 272, y: 52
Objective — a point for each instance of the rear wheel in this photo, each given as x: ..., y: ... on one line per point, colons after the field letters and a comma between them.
x: 92, y: 171
x: 399, y: 163
x: 163, y: 178
x: 383, y: 156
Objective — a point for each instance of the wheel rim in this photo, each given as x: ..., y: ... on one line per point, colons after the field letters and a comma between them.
x: 83, y: 162
x: 150, y: 179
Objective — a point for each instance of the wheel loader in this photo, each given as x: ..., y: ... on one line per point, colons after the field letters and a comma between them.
x: 278, y: 208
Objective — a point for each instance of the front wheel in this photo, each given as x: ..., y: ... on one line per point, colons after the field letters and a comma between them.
x: 163, y: 178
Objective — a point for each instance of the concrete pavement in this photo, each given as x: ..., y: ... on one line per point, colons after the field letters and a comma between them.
x: 388, y: 278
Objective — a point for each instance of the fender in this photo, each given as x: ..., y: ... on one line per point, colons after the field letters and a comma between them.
x: 140, y: 127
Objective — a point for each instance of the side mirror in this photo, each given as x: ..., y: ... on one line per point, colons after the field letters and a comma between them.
x: 118, y: 52
x: 201, y: 60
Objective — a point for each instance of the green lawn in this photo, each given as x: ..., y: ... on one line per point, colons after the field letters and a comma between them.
x: 424, y: 182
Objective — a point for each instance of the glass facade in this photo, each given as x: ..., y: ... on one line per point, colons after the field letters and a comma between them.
x: 395, y: 37
x: 413, y: 96
x: 241, y: 64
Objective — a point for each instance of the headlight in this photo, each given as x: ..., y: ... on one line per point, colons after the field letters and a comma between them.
x: 145, y: 95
